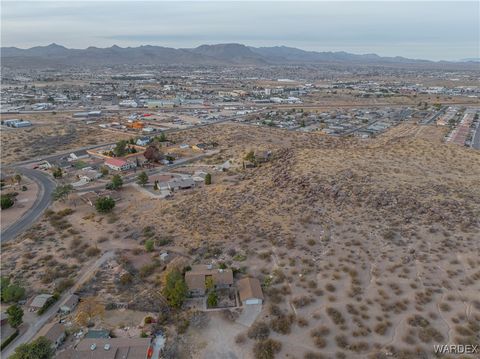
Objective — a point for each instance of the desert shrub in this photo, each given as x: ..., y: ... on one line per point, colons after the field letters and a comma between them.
x: 266, y: 349
x: 182, y: 325
x: 418, y: 321
x: 258, y: 331
x: 320, y: 342
x: 92, y: 251
x: 428, y: 334
x: 102, y: 239
x: 303, y: 301
x: 445, y: 307
x: 163, y: 241
x: 281, y: 324
x: 330, y: 287
x: 126, y: 279
x: 358, y: 347
x: 302, y: 322
x: 240, y: 338
x: 341, y: 341
x: 64, y: 284
x: 318, y: 335
x: 335, y: 316
x: 381, y: 328
x: 149, y: 245
x: 147, y: 269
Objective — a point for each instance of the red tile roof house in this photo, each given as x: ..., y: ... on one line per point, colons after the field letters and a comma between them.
x: 117, y: 164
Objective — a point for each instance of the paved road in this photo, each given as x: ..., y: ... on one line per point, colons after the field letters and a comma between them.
x: 50, y: 313
x: 44, y: 197
x: 476, y: 138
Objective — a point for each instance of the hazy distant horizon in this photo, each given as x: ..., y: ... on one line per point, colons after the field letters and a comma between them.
x: 418, y: 30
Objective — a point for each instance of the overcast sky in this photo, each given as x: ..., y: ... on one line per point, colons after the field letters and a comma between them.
x: 429, y: 30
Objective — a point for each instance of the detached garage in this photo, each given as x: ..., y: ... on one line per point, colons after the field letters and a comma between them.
x: 250, y: 291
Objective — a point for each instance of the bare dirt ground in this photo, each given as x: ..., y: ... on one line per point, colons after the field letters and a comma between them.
x: 49, y: 134
x: 364, y: 247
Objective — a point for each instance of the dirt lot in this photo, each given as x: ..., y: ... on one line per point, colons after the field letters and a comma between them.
x: 49, y: 134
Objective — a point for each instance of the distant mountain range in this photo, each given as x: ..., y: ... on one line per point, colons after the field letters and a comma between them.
x: 55, y: 55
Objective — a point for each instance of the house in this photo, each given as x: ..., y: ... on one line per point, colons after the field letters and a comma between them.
x: 70, y: 304
x: 197, y: 276
x: 22, y: 124
x: 181, y: 183
x: 143, y: 141
x: 39, y: 301
x: 118, y: 164
x: 90, y: 175
x: 74, y: 156
x: 113, y: 348
x: 250, y: 291
x: 55, y: 332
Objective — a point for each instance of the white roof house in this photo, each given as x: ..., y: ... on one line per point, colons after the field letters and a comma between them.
x: 40, y: 300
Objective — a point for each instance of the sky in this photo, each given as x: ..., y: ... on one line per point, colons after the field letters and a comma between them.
x: 434, y: 30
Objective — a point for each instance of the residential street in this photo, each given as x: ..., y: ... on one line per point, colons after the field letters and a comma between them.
x: 46, y: 187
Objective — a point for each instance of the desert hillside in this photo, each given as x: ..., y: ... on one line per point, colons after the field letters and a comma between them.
x: 364, y: 248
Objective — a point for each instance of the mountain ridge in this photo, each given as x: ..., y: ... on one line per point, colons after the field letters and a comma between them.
x: 216, y: 54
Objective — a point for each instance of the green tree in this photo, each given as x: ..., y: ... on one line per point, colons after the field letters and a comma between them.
x: 142, y: 178
x: 149, y: 245
x: 175, y: 289
x: 162, y: 137
x: 208, y: 179
x: 15, y: 315
x: 40, y: 348
x: 104, y: 171
x: 11, y: 292
x: 120, y: 148
x: 104, y: 204
x: 62, y: 192
x: 57, y: 172
x: 116, y: 183
x: 212, y: 299
x: 6, y: 201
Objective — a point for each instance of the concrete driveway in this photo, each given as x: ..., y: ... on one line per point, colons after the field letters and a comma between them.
x: 249, y: 314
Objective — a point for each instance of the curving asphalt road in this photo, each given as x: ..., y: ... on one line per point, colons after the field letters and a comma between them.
x: 43, y: 200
